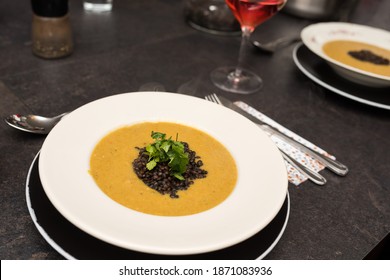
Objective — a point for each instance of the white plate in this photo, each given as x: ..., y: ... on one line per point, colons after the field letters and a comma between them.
x: 258, y: 196
x: 318, y: 70
x: 316, y: 35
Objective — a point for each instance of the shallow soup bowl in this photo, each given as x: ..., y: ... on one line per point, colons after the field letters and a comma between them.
x: 256, y: 199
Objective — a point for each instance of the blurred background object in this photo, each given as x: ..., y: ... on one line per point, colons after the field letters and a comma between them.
x: 321, y: 9
x: 212, y: 16
x: 98, y: 5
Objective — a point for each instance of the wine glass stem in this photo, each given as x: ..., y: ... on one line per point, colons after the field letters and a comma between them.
x: 246, y: 33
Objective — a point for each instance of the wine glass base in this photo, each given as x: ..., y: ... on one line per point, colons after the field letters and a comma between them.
x: 245, y: 83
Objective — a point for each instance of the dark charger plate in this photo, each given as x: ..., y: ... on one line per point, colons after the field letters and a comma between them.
x: 320, y: 72
x: 73, y: 243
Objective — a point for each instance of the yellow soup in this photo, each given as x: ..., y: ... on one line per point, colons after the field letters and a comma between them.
x: 111, y: 168
x: 338, y: 50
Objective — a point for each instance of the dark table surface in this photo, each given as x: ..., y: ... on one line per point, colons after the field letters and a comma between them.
x: 149, y: 41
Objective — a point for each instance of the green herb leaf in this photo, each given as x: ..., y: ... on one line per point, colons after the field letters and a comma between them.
x: 158, y: 135
x: 178, y: 176
x: 167, y: 150
x: 166, y: 145
x: 151, y: 149
x: 151, y: 164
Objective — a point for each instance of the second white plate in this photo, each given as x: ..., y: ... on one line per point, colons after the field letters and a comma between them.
x: 316, y: 35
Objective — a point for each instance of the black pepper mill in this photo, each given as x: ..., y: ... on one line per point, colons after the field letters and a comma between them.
x: 51, y: 31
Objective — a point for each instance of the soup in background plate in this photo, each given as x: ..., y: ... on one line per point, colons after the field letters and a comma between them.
x: 359, y: 55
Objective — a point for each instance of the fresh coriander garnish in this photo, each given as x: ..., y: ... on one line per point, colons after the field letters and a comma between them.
x: 167, y: 150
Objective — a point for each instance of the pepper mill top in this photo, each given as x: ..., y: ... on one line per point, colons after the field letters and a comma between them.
x: 50, y: 8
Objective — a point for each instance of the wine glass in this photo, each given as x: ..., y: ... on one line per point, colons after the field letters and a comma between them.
x: 250, y: 13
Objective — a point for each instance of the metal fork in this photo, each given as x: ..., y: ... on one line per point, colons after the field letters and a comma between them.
x: 310, y: 174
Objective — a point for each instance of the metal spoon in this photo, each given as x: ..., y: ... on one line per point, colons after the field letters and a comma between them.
x: 43, y: 125
x: 32, y: 123
x: 272, y: 46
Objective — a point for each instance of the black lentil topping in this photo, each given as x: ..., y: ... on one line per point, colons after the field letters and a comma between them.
x: 368, y: 56
x: 160, y: 179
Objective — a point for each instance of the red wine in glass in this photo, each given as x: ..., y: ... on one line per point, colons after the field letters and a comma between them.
x: 250, y: 13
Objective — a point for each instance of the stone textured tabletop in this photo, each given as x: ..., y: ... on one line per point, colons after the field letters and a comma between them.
x: 149, y: 41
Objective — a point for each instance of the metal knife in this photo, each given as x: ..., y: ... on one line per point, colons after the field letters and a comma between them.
x: 333, y: 165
